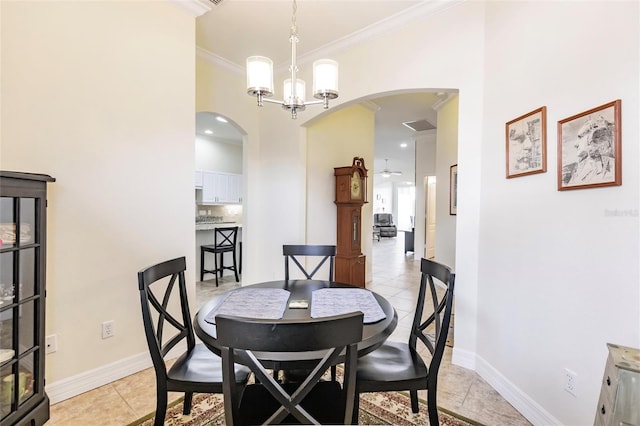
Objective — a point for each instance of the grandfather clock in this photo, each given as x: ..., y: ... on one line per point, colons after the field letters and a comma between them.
x: 351, y: 194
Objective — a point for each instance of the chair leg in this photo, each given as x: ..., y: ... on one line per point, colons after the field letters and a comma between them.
x: 201, y: 264
x: 241, y: 257
x: 333, y: 373
x: 356, y: 409
x: 161, y: 407
x: 235, y: 266
x: 188, y: 398
x: 432, y: 403
x: 414, y: 401
x: 215, y: 261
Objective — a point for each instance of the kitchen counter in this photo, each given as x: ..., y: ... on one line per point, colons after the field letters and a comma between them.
x: 212, y: 226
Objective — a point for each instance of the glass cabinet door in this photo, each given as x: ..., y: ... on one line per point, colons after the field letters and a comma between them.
x: 22, y: 298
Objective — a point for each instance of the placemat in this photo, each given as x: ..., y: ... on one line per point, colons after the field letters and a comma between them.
x: 261, y: 303
x: 327, y: 302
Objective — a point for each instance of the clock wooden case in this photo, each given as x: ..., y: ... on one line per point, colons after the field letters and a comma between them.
x: 351, y: 194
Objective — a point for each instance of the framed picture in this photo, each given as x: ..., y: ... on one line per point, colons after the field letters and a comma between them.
x: 590, y: 148
x: 527, y: 144
x: 453, y: 190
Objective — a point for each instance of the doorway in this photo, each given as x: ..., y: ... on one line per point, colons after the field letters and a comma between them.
x: 219, y: 200
x: 430, y: 217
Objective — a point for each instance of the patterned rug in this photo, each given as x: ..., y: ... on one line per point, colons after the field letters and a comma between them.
x: 384, y: 408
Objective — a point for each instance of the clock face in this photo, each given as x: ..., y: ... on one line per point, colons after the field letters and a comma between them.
x: 356, y: 186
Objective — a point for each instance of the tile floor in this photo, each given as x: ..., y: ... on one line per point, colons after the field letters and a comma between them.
x: 395, y: 276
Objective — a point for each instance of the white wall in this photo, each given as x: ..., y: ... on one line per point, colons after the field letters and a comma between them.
x: 558, y: 277
x: 446, y: 156
x: 213, y: 155
x: 86, y: 99
x: 382, y: 199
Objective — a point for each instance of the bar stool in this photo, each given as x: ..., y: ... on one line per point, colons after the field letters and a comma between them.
x: 224, y: 240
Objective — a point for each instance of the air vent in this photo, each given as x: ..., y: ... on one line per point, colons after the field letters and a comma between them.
x: 216, y: 2
x: 419, y: 125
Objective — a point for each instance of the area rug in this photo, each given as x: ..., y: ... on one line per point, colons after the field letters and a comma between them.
x: 383, y: 408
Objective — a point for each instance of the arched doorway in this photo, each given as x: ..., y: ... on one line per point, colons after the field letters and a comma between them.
x: 219, y: 194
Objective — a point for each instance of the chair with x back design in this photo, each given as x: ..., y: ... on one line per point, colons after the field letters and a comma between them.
x: 311, y: 401
x: 167, y: 323
x: 323, y: 252
x: 224, y: 241
x: 399, y: 366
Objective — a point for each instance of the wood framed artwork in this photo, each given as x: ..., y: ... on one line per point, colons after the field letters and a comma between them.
x: 526, y: 138
x: 453, y: 190
x: 590, y: 148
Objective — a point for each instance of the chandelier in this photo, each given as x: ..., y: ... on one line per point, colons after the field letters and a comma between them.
x: 260, y: 79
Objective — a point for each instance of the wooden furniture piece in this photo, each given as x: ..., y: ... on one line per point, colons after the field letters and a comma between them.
x: 197, y: 369
x: 224, y: 241
x: 619, y: 402
x: 324, y: 252
x: 23, y: 237
x: 351, y: 194
x: 373, y: 334
x: 270, y: 402
x: 408, y: 241
x: 399, y: 366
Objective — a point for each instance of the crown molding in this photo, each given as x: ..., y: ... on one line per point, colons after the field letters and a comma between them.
x: 219, y: 60
x: 376, y: 29
x: 393, y: 22
x: 444, y: 98
x: 370, y: 105
x: 194, y: 7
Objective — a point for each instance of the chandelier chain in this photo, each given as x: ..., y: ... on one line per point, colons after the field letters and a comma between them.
x: 294, y: 26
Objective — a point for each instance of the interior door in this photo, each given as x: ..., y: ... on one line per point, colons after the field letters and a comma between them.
x: 430, y: 218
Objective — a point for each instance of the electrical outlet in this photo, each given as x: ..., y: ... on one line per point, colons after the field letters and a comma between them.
x: 51, y: 343
x: 570, y: 381
x: 108, y: 329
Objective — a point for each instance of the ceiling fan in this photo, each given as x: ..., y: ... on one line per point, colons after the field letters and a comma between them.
x: 386, y: 172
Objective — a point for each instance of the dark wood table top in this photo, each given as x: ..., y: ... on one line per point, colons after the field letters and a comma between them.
x: 373, y: 335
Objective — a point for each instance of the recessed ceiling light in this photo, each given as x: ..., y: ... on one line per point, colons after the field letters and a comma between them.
x: 221, y: 119
x: 208, y: 132
x: 403, y: 145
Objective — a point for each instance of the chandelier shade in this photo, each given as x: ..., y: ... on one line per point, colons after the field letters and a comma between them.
x: 294, y: 99
x: 325, y: 78
x: 259, y: 76
x: 260, y: 79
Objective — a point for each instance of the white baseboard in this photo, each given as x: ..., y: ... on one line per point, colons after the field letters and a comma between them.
x: 530, y: 409
x: 464, y: 359
x: 92, y: 379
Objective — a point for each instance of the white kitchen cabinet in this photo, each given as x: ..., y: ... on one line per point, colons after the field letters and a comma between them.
x: 221, y: 188
x: 198, y: 179
x: 234, y: 189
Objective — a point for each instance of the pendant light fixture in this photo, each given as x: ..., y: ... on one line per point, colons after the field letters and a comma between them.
x: 260, y: 78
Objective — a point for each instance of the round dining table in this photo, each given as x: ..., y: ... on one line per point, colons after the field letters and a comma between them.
x: 374, y: 334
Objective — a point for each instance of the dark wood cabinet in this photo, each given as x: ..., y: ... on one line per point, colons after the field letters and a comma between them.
x: 408, y: 240
x: 23, y: 203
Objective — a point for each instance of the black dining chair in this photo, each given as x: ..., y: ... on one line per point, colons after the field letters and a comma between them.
x: 323, y: 252
x: 167, y: 323
x: 398, y: 366
x: 224, y: 241
x: 268, y: 401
